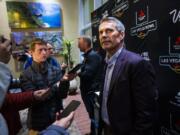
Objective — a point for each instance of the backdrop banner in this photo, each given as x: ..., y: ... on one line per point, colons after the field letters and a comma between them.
x: 153, y: 31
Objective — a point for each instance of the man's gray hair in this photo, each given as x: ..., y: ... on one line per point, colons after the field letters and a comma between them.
x: 119, y: 25
x: 87, y: 39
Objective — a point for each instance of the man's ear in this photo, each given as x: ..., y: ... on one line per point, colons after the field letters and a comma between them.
x: 122, y: 35
x: 30, y: 52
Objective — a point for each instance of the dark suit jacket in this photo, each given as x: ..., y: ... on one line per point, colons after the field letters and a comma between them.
x: 132, y: 96
x: 90, y: 72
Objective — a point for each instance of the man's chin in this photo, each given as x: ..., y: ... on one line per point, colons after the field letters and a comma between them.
x: 106, y: 46
x: 43, y: 61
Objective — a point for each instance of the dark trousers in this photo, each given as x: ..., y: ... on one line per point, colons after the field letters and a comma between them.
x: 106, y: 130
x: 88, y: 99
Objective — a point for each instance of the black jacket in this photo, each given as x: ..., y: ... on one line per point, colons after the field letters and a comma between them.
x: 35, y: 77
x: 90, y: 75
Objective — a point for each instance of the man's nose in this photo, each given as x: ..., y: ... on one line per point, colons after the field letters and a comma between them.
x: 44, y: 51
x: 104, y: 34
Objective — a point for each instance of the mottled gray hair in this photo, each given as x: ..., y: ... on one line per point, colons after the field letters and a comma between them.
x: 119, y: 25
x: 87, y: 39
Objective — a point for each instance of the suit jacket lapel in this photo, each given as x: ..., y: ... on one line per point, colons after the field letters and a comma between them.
x: 117, y: 69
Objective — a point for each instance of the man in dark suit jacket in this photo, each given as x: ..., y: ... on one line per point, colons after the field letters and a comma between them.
x: 89, y: 76
x: 129, y: 94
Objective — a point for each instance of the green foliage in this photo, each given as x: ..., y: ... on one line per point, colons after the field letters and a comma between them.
x: 67, y: 52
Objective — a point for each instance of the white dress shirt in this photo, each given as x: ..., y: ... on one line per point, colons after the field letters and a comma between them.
x: 109, y: 71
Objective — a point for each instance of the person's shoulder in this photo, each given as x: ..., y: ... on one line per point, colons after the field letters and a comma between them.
x: 93, y: 53
x: 4, y: 70
x: 133, y: 57
x: 51, y: 59
x: 26, y: 73
x: 53, y: 68
x: 3, y: 125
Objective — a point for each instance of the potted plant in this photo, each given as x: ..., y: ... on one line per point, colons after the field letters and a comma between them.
x: 67, y: 54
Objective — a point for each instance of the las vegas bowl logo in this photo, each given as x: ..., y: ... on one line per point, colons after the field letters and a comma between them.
x: 120, y: 7
x: 143, y: 26
x: 173, y: 59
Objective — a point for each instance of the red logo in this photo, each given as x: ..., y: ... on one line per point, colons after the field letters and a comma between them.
x: 178, y: 40
x: 141, y: 15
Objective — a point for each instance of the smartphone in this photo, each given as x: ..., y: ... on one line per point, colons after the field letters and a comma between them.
x: 75, y: 69
x: 73, y: 105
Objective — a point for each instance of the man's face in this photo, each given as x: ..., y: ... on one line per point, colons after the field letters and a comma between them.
x: 82, y: 45
x: 40, y: 53
x: 50, y: 50
x: 110, y: 38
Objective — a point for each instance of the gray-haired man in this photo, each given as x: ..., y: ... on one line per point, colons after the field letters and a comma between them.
x: 129, y: 93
